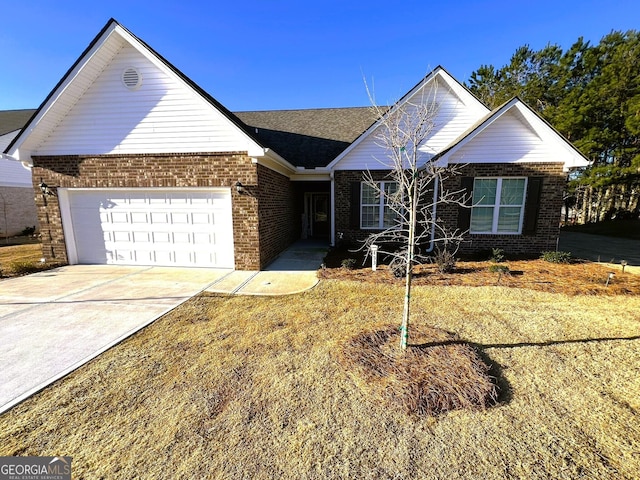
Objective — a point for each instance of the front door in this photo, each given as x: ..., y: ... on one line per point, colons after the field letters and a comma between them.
x: 317, y: 218
x: 320, y: 226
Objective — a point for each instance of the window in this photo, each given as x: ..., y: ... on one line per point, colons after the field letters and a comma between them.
x: 375, y: 212
x: 498, y: 205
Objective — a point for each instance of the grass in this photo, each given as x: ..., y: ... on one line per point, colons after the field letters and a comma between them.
x: 253, y: 387
x: 22, y: 257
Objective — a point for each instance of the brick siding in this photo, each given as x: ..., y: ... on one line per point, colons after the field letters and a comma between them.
x: 548, y: 218
x: 343, y: 180
x: 278, y: 224
x: 549, y: 208
x: 17, y: 210
x: 164, y: 170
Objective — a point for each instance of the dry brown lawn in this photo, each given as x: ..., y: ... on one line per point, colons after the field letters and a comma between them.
x: 26, y: 252
x: 235, y: 387
x: 22, y: 259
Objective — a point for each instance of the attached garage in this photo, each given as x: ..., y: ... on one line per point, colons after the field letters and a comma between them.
x: 154, y: 226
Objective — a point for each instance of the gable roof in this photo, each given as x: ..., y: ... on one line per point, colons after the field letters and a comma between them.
x: 309, y: 138
x: 462, y: 93
x: 571, y: 156
x: 88, y: 67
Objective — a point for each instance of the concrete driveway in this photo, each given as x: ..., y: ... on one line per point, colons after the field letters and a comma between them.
x: 55, y: 321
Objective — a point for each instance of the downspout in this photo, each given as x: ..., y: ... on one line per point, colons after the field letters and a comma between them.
x: 433, y: 222
x: 333, y: 210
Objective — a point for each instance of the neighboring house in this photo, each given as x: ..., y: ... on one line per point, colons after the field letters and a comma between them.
x: 147, y: 168
x: 17, y: 204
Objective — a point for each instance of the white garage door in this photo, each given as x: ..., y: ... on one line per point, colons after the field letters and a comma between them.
x: 172, y: 227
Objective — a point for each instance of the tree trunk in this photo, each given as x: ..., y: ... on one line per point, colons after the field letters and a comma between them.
x: 413, y: 213
x: 589, y: 204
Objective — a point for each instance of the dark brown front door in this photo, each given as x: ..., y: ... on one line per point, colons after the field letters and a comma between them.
x: 320, y: 215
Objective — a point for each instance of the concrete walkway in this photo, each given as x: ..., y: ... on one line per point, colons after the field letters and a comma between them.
x: 294, y: 271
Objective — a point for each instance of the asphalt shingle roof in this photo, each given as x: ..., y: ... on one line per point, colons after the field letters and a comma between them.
x: 11, y: 120
x: 309, y: 138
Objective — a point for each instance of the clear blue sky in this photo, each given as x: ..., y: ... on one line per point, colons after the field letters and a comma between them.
x: 261, y: 55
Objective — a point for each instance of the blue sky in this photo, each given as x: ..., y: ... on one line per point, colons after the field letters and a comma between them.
x: 261, y: 55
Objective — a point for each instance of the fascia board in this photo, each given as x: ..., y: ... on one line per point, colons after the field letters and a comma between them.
x: 367, y: 133
x: 113, y: 27
x: 540, y: 127
x: 548, y: 134
x: 273, y: 161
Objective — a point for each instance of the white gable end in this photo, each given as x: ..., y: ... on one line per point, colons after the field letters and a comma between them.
x: 514, y: 134
x: 506, y: 140
x: 162, y: 115
x: 455, y: 114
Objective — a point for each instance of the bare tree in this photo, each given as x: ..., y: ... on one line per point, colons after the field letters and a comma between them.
x: 413, y: 191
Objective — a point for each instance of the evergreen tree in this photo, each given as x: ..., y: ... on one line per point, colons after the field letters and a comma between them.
x: 591, y: 95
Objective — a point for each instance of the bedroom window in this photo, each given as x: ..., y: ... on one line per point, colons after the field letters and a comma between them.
x: 375, y: 212
x: 498, y: 205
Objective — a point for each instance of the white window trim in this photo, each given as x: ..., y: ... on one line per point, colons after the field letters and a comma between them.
x: 380, y: 205
x: 496, y: 207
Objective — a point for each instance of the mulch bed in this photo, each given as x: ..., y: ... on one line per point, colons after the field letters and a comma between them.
x: 576, y: 278
x: 437, y: 374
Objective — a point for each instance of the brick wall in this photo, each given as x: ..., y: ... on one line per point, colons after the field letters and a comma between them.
x: 278, y: 224
x: 17, y: 210
x: 549, y: 208
x: 344, y: 225
x: 548, y: 218
x: 179, y: 170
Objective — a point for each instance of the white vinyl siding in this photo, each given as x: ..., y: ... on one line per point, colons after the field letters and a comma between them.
x: 375, y: 212
x: 453, y: 118
x: 13, y: 173
x: 498, y: 205
x: 508, y: 139
x: 163, y: 115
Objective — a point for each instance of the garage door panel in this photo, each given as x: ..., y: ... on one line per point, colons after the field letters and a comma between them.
x: 159, y: 217
x: 139, y: 217
x: 121, y: 237
x: 184, y: 227
x: 180, y: 217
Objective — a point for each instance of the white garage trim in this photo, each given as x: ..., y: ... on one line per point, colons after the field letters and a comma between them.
x: 148, y: 226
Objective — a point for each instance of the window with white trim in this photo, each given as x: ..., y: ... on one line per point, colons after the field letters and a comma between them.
x: 498, y: 205
x: 375, y: 212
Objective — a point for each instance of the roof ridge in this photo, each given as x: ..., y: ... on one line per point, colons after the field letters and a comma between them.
x: 302, y: 109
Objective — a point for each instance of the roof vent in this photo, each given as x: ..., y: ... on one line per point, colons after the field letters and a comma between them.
x: 132, y: 78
